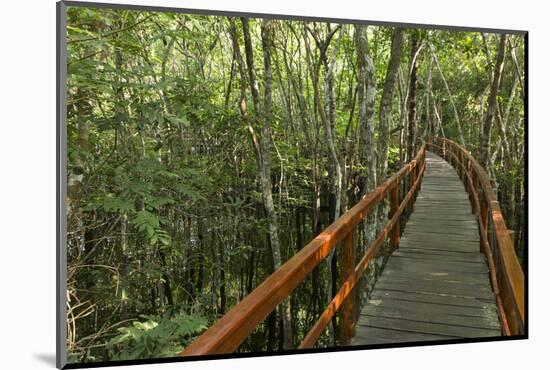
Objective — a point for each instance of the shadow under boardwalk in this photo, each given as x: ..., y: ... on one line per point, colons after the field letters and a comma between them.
x: 436, y: 285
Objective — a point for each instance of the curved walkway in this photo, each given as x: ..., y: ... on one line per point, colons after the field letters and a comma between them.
x: 436, y: 285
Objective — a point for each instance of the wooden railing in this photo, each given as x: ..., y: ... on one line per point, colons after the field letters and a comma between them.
x: 507, y: 277
x: 232, y: 329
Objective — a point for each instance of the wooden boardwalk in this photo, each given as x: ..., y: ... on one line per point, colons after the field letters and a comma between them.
x: 436, y: 285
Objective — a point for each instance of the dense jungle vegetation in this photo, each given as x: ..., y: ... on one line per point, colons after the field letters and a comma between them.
x: 204, y: 152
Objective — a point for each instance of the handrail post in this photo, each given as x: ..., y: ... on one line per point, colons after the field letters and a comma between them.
x: 347, y: 263
x: 452, y: 157
x: 483, y: 215
x: 473, y: 189
x: 412, y: 179
x: 418, y: 169
x: 477, y: 187
x: 461, y: 163
x: 394, y: 205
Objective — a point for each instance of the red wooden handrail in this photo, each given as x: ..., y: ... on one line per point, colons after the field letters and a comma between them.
x: 354, y: 276
x: 233, y: 328
x: 507, y: 277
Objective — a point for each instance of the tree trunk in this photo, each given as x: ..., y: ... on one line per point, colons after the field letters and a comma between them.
x: 411, y: 102
x: 430, y: 130
x: 263, y: 145
x: 366, y: 98
x: 265, y: 162
x: 492, y: 103
x: 328, y: 120
x: 386, y: 102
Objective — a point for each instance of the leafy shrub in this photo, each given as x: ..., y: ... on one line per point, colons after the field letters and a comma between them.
x: 155, y: 337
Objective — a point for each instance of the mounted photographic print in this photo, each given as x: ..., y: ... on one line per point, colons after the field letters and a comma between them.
x: 235, y: 184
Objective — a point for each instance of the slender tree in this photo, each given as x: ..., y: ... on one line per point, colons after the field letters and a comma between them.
x: 492, y: 102
x: 387, y: 99
x: 414, y: 49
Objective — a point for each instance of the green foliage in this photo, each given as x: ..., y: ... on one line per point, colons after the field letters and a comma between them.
x: 149, y: 224
x: 393, y: 158
x: 155, y: 337
x: 112, y: 204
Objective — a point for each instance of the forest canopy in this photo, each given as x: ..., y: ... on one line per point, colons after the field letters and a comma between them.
x: 205, y: 151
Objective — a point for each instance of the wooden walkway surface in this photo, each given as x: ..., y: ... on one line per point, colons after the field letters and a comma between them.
x: 436, y: 285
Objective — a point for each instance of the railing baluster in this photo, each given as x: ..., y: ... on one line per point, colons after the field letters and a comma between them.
x: 347, y: 263
x: 483, y: 216
x: 412, y: 178
x: 475, y: 188
x: 394, y: 205
x: 461, y: 160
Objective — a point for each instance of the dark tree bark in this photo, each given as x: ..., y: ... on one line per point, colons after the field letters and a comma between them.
x: 386, y: 102
x: 492, y: 103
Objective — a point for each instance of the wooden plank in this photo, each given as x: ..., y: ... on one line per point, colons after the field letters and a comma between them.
x: 444, y: 228
x: 437, y: 238
x: 432, y: 314
x: 413, y: 267
x: 369, y: 335
x: 426, y: 327
x: 439, y: 283
x: 447, y: 216
x: 436, y: 224
x: 444, y: 187
x: 445, y: 196
x: 433, y: 268
x: 437, y: 245
x: 457, y: 291
x: 450, y: 189
x: 487, y: 313
x: 467, y: 279
x: 401, y: 263
x: 440, y: 256
x: 435, y: 258
x: 428, y: 297
x: 470, y: 223
x: 444, y: 190
x: 462, y: 215
x: 444, y: 253
x: 432, y: 216
x: 454, y: 233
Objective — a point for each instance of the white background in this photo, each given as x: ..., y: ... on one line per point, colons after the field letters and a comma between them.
x: 27, y: 182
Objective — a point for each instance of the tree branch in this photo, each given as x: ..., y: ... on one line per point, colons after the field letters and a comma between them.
x: 110, y: 33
